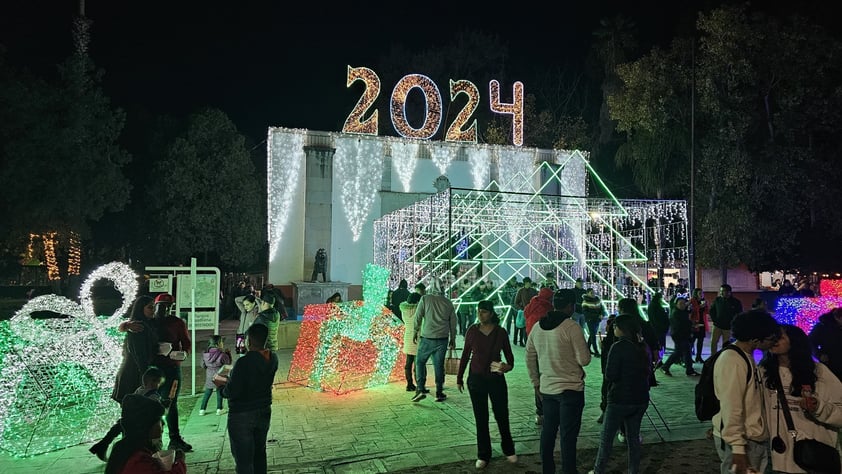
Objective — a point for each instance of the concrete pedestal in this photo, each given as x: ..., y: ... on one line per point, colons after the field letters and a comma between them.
x: 305, y: 292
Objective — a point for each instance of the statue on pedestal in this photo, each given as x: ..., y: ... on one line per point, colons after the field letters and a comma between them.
x: 320, y: 266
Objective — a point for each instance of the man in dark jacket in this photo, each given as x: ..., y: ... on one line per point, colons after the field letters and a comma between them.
x: 249, y: 393
x: 725, y: 307
x: 826, y: 339
x: 681, y: 329
x: 271, y: 318
x: 399, y: 296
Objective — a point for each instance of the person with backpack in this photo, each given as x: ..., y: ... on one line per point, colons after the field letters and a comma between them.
x: 739, y: 427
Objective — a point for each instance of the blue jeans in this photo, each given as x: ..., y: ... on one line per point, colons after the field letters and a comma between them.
x: 206, y: 398
x: 493, y: 387
x: 615, y: 416
x: 437, y: 348
x: 561, y: 410
x: 171, y: 374
x: 247, y: 432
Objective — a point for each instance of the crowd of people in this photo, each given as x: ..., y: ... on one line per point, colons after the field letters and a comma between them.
x: 795, y: 383
x: 561, y: 328
x: 148, y: 381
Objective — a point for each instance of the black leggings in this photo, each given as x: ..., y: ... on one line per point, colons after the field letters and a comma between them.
x: 407, y: 368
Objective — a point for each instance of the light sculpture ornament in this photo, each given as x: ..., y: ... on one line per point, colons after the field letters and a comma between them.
x: 351, y: 345
x: 355, y: 122
x: 804, y: 312
x: 479, y: 158
x: 515, y: 108
x: 455, y: 132
x: 285, y: 157
x: 830, y: 287
x: 359, y: 166
x: 432, y: 106
x: 59, y: 372
x: 404, y: 160
x: 442, y: 155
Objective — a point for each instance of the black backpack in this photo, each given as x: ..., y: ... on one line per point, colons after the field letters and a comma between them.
x: 707, y: 404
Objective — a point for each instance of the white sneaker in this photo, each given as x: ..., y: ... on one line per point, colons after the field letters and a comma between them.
x: 512, y: 459
x: 218, y: 412
x: 481, y: 464
x: 201, y: 412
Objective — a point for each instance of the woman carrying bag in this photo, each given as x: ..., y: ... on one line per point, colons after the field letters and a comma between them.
x: 483, y: 344
x: 811, y: 397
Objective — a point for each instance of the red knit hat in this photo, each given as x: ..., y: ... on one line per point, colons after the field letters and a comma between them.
x: 165, y: 298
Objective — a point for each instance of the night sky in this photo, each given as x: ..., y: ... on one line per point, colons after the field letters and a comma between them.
x: 271, y: 64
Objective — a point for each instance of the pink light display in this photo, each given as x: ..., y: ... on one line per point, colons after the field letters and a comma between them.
x: 805, y: 312
x: 830, y: 287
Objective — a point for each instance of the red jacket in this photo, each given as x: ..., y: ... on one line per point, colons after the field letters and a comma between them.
x: 538, y: 307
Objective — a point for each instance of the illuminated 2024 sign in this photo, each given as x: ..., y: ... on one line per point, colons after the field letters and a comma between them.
x: 458, y: 131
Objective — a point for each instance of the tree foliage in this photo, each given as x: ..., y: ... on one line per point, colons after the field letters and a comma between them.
x: 766, y: 103
x: 205, y: 196
x: 61, y: 166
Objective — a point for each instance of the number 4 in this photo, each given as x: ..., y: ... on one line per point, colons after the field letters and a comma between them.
x: 515, y: 109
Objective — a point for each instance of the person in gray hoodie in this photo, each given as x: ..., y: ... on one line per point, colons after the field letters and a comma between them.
x: 556, y: 356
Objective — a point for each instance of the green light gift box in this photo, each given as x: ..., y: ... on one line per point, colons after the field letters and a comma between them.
x: 60, y: 369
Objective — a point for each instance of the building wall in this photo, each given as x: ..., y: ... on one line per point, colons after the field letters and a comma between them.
x: 327, y: 189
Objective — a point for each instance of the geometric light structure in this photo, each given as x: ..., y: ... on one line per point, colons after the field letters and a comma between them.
x: 538, y: 219
x: 805, y: 312
x: 59, y: 372
x: 351, y: 345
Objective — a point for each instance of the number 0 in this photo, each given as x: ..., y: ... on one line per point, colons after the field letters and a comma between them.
x: 432, y: 106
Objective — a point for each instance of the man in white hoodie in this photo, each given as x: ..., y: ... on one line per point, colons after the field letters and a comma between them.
x: 739, y: 429
x: 556, y: 354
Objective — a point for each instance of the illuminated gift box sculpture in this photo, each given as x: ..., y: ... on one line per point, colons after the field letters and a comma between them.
x: 59, y: 372
x: 352, y: 345
x: 805, y: 312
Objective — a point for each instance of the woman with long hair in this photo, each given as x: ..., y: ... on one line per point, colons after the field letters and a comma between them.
x: 813, y: 397
x: 140, y: 345
x: 627, y: 375
x: 484, y: 342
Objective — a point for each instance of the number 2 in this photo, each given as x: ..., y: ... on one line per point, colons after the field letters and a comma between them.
x: 455, y: 132
x: 355, y: 123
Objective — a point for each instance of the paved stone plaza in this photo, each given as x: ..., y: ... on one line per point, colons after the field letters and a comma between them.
x: 380, y: 430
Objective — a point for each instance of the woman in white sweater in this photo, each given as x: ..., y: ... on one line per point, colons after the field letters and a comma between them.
x: 410, y: 347
x: 789, y: 364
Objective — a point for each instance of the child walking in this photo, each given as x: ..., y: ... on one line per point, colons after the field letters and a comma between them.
x: 212, y: 360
